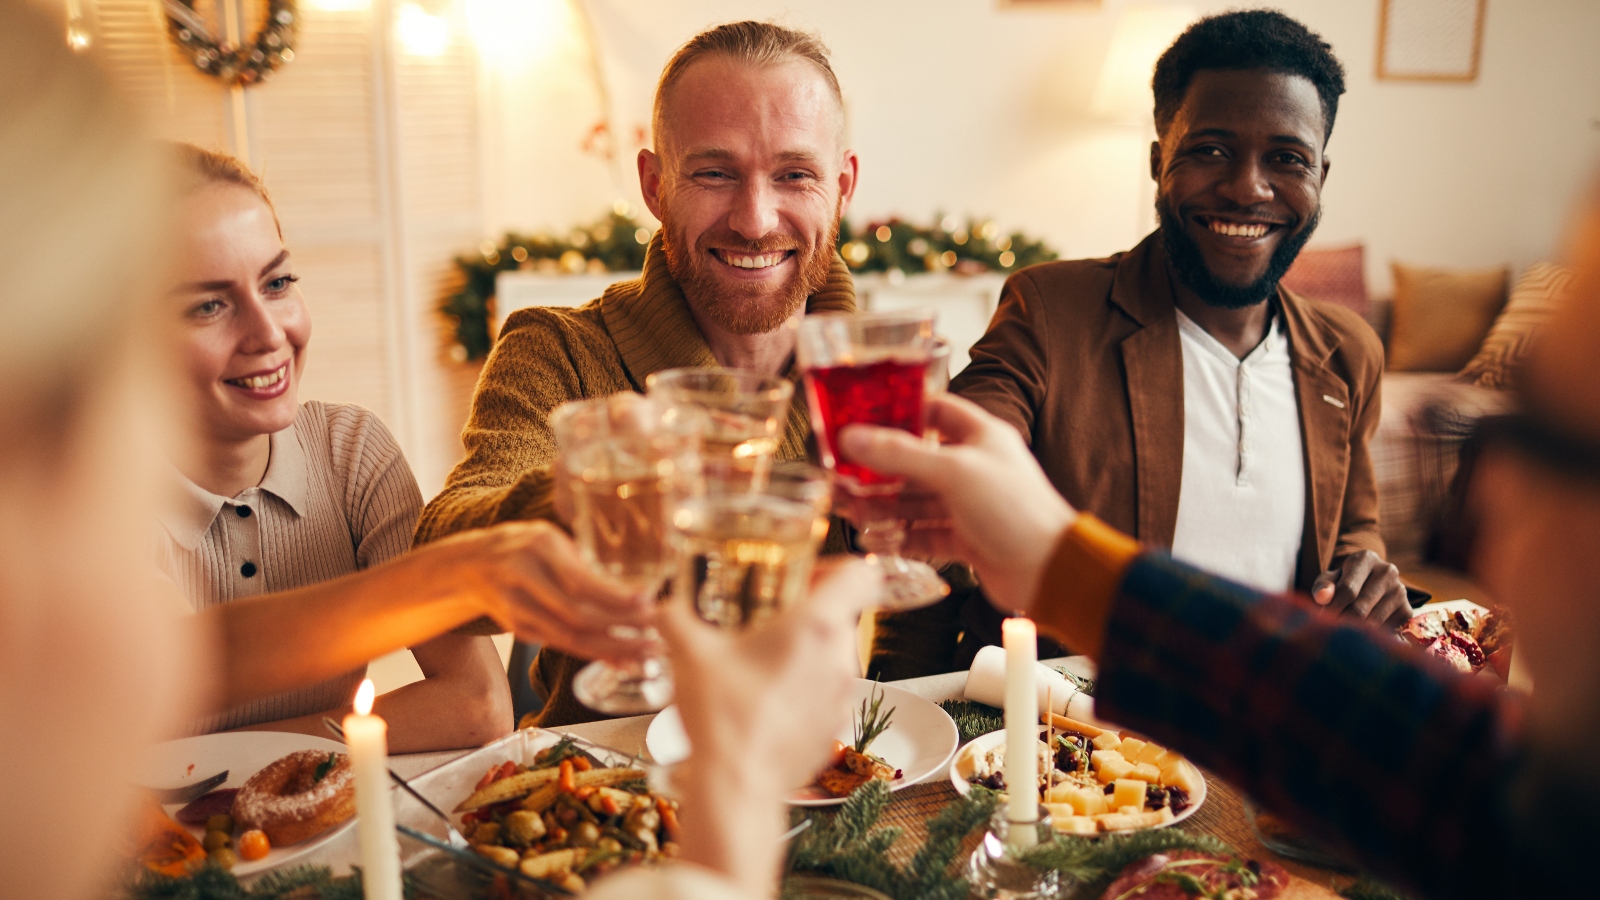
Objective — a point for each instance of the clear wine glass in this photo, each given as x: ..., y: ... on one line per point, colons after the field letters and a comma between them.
x: 627, y: 460
x: 746, y: 554
x: 872, y: 368
x: 745, y: 411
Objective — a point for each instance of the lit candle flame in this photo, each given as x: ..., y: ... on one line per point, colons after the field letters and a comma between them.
x: 364, y: 695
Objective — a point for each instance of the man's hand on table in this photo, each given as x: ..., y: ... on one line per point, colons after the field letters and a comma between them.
x: 538, y: 587
x: 980, y: 497
x: 1365, y: 586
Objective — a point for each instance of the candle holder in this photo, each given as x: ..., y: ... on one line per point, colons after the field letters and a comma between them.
x: 996, y: 869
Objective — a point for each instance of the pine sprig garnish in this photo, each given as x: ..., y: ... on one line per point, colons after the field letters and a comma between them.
x: 872, y: 720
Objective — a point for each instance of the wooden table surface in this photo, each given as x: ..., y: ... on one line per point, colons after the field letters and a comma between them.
x: 1223, y: 814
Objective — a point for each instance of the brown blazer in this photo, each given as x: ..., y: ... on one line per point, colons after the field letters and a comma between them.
x: 1083, y: 358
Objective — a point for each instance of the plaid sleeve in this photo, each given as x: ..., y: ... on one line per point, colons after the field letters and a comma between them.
x: 1355, y: 736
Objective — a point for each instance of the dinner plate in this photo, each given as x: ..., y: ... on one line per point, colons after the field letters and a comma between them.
x: 243, y: 754
x: 919, y: 742
x: 963, y: 764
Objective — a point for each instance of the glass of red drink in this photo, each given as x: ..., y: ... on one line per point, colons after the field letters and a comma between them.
x: 872, y: 369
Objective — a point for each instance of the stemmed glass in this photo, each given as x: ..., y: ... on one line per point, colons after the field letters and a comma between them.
x: 872, y: 368
x: 745, y: 411
x: 627, y: 460
x: 746, y: 554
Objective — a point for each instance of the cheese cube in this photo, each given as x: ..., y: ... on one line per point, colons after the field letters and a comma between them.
x: 1166, y: 814
x: 1107, y: 740
x: 1129, y: 810
x: 1088, y: 801
x: 1120, y: 821
x: 1130, y: 748
x: 1165, y: 759
x: 1109, y: 765
x: 1151, y: 753
x: 1128, y: 792
x: 1075, y: 825
x: 1182, y: 775
x: 1059, y: 811
x: 1146, y: 772
x: 1061, y: 793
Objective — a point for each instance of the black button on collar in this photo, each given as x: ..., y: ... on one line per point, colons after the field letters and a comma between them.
x: 242, y: 512
x: 248, y: 570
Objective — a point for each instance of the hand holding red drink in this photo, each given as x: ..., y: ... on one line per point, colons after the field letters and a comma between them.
x: 872, y: 369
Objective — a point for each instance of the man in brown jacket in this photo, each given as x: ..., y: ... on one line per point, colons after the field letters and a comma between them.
x: 1175, y: 390
x: 749, y: 177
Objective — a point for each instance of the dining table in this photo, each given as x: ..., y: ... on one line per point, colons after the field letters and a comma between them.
x: 1223, y: 814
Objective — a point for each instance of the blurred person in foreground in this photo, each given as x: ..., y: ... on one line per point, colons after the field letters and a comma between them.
x: 100, y: 656
x: 1177, y: 390
x: 749, y: 175
x: 1452, y: 784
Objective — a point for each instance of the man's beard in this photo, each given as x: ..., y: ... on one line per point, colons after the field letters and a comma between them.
x: 1190, y: 263
x: 745, y: 308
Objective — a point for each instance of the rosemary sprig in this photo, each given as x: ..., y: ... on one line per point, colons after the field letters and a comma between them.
x: 872, y: 720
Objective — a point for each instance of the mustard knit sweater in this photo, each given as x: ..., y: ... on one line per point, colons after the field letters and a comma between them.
x: 547, y: 356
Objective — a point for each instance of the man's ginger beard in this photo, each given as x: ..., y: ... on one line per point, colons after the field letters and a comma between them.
x: 745, y: 308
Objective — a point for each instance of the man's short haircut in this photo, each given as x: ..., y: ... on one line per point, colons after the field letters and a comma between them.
x: 1247, y: 39
x: 751, y: 43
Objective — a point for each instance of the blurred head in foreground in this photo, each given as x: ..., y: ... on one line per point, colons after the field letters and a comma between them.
x: 89, y: 648
x: 1538, y: 485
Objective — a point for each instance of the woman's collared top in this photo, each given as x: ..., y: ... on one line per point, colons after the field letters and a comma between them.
x: 337, y: 497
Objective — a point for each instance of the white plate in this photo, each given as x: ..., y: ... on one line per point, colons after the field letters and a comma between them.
x: 1446, y: 607
x: 963, y: 764
x: 243, y: 754
x: 919, y: 742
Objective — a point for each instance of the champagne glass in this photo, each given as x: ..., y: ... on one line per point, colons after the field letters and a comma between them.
x: 746, y: 554
x: 626, y: 460
x: 745, y: 411
x: 872, y: 368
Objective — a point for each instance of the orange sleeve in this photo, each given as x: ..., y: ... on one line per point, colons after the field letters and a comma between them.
x: 1080, y: 581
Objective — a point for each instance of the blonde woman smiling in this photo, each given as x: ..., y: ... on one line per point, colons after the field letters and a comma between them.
x: 278, y: 494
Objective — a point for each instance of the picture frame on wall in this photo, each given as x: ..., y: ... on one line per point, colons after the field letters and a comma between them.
x: 1430, y: 40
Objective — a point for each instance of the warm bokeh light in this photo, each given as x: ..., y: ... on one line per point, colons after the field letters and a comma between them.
x: 364, y: 695
x: 422, y: 33
x: 1142, y: 33
x: 519, y: 32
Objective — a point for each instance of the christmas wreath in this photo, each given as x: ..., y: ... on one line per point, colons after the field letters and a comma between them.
x: 244, y: 65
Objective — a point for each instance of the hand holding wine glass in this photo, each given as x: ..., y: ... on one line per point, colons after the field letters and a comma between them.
x: 626, y: 460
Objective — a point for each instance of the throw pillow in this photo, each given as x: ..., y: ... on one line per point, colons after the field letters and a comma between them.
x: 1337, y: 275
x: 1441, y: 315
x: 1534, y: 297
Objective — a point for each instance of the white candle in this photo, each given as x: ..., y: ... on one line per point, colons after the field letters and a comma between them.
x: 367, y: 736
x: 1022, y: 727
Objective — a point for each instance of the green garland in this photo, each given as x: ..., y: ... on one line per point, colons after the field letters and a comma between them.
x: 973, y: 719
x: 967, y: 248
x: 846, y: 846
x: 616, y: 243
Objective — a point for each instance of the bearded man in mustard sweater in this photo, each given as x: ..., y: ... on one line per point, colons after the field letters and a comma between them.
x: 749, y: 177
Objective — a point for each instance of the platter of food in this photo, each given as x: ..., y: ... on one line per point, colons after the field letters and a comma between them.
x: 285, y: 796
x: 894, y: 736
x: 566, y: 811
x: 1093, y: 780
x: 1469, y: 637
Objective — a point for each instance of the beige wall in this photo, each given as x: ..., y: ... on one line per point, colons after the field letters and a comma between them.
x: 961, y: 106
